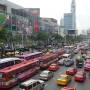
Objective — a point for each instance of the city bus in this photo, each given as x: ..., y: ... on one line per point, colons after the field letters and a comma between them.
x: 46, y: 60
x: 30, y: 55
x: 69, y: 49
x: 5, y: 62
x: 13, y: 75
x: 60, y: 52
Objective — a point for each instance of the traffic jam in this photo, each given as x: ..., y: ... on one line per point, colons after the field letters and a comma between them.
x: 19, y: 70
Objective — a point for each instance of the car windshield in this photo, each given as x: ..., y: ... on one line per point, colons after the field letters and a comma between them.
x: 44, y: 73
x: 62, y: 77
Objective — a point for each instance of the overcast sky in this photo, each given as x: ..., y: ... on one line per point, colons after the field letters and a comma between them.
x: 56, y: 9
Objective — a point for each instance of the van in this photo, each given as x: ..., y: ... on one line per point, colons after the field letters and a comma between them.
x: 32, y: 84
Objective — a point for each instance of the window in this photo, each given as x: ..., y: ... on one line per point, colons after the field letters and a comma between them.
x: 17, y: 61
x: 34, y: 84
x: 30, y: 87
x: 38, y: 83
x: 22, y: 87
x: 1, y: 75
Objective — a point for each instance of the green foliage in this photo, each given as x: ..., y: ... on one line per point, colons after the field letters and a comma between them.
x: 42, y: 36
x: 2, y: 18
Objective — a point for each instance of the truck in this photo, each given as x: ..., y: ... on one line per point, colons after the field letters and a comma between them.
x: 79, y: 62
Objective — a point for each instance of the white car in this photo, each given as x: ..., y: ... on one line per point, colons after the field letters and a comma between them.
x: 46, y: 75
x: 32, y: 84
x: 61, y: 62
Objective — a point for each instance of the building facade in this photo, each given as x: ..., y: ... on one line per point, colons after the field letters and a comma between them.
x: 61, y: 28
x: 49, y: 25
x: 18, y: 20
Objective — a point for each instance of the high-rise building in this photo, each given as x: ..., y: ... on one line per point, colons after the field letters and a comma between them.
x: 67, y: 22
x: 61, y: 28
x: 70, y: 20
x: 73, y: 11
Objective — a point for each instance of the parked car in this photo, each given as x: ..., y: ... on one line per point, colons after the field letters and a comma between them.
x: 61, y: 62
x: 80, y: 76
x: 68, y: 62
x: 53, y: 67
x: 71, y: 71
x: 68, y: 88
x: 46, y: 75
x: 32, y: 84
x: 63, y: 79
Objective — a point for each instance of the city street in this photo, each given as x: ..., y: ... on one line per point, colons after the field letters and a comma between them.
x: 51, y: 84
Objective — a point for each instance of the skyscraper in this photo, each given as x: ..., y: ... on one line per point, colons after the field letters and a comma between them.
x: 73, y: 11
x: 70, y: 20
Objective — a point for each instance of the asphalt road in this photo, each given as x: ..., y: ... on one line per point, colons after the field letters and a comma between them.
x: 51, y: 84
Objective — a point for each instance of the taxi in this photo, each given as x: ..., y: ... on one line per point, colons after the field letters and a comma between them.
x: 68, y: 88
x: 63, y: 79
x: 53, y: 67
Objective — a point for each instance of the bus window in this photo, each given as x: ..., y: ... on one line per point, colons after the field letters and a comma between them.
x: 17, y: 61
x: 1, y: 75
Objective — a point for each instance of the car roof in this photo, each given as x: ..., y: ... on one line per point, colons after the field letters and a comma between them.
x: 80, y: 72
x: 29, y: 82
x: 46, y: 71
x: 64, y: 75
x: 53, y: 64
x: 70, y: 68
x: 67, y: 87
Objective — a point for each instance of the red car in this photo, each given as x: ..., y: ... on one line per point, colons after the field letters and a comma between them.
x: 68, y: 88
x: 71, y: 71
x: 53, y: 67
x: 80, y: 76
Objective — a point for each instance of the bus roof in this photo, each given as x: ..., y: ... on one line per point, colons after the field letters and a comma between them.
x: 8, y: 59
x: 48, y: 56
x: 30, y: 54
x: 17, y: 66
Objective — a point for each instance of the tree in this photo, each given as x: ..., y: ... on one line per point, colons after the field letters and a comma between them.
x: 3, y: 35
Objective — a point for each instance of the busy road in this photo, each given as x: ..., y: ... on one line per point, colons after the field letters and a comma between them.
x: 51, y: 84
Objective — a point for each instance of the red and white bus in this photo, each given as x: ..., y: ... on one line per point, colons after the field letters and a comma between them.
x: 30, y: 55
x: 5, y: 62
x: 11, y: 75
x: 59, y: 52
x: 48, y: 59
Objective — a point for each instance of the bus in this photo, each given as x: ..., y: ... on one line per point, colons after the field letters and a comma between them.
x: 30, y: 55
x: 13, y: 75
x: 60, y: 52
x: 5, y: 62
x: 48, y: 59
x: 69, y: 49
